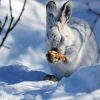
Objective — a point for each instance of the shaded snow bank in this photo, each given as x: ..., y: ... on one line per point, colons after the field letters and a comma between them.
x: 84, y: 82
x: 18, y: 73
x: 81, y: 85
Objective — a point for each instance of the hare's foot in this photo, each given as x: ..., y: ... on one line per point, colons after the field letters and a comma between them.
x: 54, y: 56
x: 51, y: 78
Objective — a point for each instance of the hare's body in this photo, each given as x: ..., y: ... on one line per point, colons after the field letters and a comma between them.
x: 83, y: 52
x: 74, y: 39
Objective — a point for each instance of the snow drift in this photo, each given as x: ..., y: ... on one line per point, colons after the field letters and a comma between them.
x: 83, y: 84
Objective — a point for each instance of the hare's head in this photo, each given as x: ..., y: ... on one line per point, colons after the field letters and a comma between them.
x: 57, y: 21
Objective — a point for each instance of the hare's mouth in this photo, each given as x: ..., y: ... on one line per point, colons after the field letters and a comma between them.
x: 54, y: 49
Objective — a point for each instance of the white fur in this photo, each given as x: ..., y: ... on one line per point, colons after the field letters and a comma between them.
x: 76, y: 41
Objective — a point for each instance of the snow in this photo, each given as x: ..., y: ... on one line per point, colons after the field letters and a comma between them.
x: 23, y: 66
x: 82, y: 84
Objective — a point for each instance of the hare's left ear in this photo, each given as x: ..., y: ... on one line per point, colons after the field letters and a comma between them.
x: 65, y: 13
x: 51, y: 12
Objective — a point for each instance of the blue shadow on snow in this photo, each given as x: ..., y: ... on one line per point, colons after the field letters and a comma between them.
x: 16, y: 73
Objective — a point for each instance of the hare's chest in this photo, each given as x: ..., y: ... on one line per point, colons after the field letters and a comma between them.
x: 61, y: 69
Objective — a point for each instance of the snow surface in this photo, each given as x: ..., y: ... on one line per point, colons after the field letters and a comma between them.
x: 84, y: 84
x: 23, y: 66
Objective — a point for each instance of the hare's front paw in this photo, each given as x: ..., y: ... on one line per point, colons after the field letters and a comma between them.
x: 54, y: 56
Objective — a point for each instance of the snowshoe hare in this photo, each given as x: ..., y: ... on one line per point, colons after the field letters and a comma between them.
x: 71, y: 42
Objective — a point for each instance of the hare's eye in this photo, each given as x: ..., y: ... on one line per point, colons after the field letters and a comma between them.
x: 47, y: 35
x: 50, y: 27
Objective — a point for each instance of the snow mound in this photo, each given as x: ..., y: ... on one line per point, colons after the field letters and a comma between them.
x: 84, y: 84
x: 84, y: 80
x: 17, y: 73
x: 81, y: 83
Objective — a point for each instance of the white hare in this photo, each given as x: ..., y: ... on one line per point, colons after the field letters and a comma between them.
x: 71, y: 37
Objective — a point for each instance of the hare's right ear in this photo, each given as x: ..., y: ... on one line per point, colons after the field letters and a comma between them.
x: 51, y: 11
x: 65, y: 12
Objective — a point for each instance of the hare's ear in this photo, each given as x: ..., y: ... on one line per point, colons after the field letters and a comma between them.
x: 51, y: 10
x: 65, y: 13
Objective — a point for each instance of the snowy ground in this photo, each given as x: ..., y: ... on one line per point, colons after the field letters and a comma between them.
x: 20, y: 84
x: 23, y: 66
